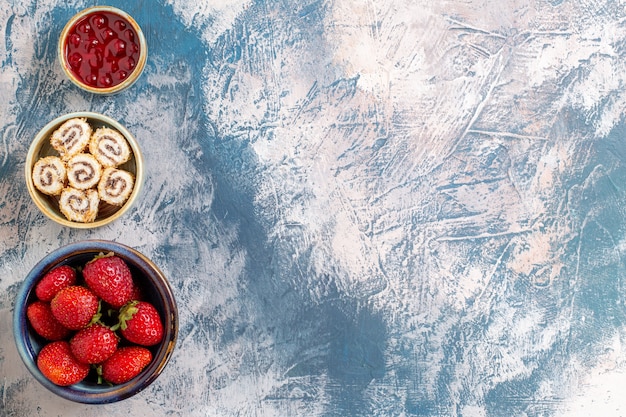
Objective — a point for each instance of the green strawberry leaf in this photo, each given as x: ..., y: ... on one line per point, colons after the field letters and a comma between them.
x: 126, y: 313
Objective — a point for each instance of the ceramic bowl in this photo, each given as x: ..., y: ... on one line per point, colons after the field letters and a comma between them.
x: 41, y: 147
x: 102, y: 50
x: 156, y: 289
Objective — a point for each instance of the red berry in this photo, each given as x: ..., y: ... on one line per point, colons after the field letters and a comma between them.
x: 43, y: 322
x: 127, y: 63
x: 107, y: 34
x: 140, y: 323
x: 137, y: 293
x: 75, y: 40
x: 53, y: 281
x: 99, y: 21
x: 117, y: 48
x: 75, y: 307
x: 125, y: 364
x: 94, y: 344
x: 91, y: 79
x: 75, y: 60
x: 56, y: 362
x: 109, y: 277
x: 130, y: 35
x: 84, y: 28
x: 106, y: 80
x: 120, y: 25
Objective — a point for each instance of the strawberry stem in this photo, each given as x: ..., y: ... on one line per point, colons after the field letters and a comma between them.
x: 96, y: 317
x: 101, y: 379
x: 126, y: 313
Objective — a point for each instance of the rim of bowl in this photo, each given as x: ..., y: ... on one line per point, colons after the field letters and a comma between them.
x: 33, y: 156
x: 134, y: 75
x: 95, y: 394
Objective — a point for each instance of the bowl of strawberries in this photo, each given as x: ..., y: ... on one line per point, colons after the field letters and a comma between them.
x: 95, y: 321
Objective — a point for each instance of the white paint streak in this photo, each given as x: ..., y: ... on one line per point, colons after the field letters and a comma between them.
x: 601, y: 390
x: 213, y: 18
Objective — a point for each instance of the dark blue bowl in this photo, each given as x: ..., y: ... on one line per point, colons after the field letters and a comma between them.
x: 156, y: 290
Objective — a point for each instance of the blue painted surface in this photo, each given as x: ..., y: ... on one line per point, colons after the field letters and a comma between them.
x: 366, y: 209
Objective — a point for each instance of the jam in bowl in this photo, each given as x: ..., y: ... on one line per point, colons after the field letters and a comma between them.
x: 102, y: 50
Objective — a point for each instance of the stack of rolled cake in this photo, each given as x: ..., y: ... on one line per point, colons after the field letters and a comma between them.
x: 86, y: 171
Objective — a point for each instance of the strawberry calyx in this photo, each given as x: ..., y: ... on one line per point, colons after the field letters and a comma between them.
x: 101, y: 380
x: 96, y: 319
x: 126, y: 313
x: 100, y: 256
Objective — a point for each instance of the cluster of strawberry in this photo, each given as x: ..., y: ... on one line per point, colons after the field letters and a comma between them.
x: 100, y: 323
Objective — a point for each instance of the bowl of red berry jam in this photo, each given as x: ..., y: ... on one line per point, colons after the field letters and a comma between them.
x: 102, y: 50
x: 95, y: 322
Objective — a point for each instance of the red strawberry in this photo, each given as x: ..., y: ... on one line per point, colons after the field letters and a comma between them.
x: 43, y: 322
x: 94, y: 344
x: 56, y: 362
x: 137, y: 293
x: 125, y: 364
x: 75, y: 307
x: 140, y: 323
x: 52, y: 282
x: 109, y: 277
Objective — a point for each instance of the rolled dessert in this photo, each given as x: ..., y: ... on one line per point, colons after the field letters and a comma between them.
x: 109, y: 147
x: 79, y: 205
x: 72, y: 137
x: 115, y: 186
x: 83, y: 171
x: 49, y: 175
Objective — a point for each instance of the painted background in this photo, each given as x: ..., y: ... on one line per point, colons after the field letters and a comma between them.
x: 365, y: 208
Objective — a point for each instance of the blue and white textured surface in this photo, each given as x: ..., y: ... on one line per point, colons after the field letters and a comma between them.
x: 365, y: 208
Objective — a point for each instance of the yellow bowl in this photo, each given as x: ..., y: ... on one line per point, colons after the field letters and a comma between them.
x: 95, y: 39
x: 41, y: 147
